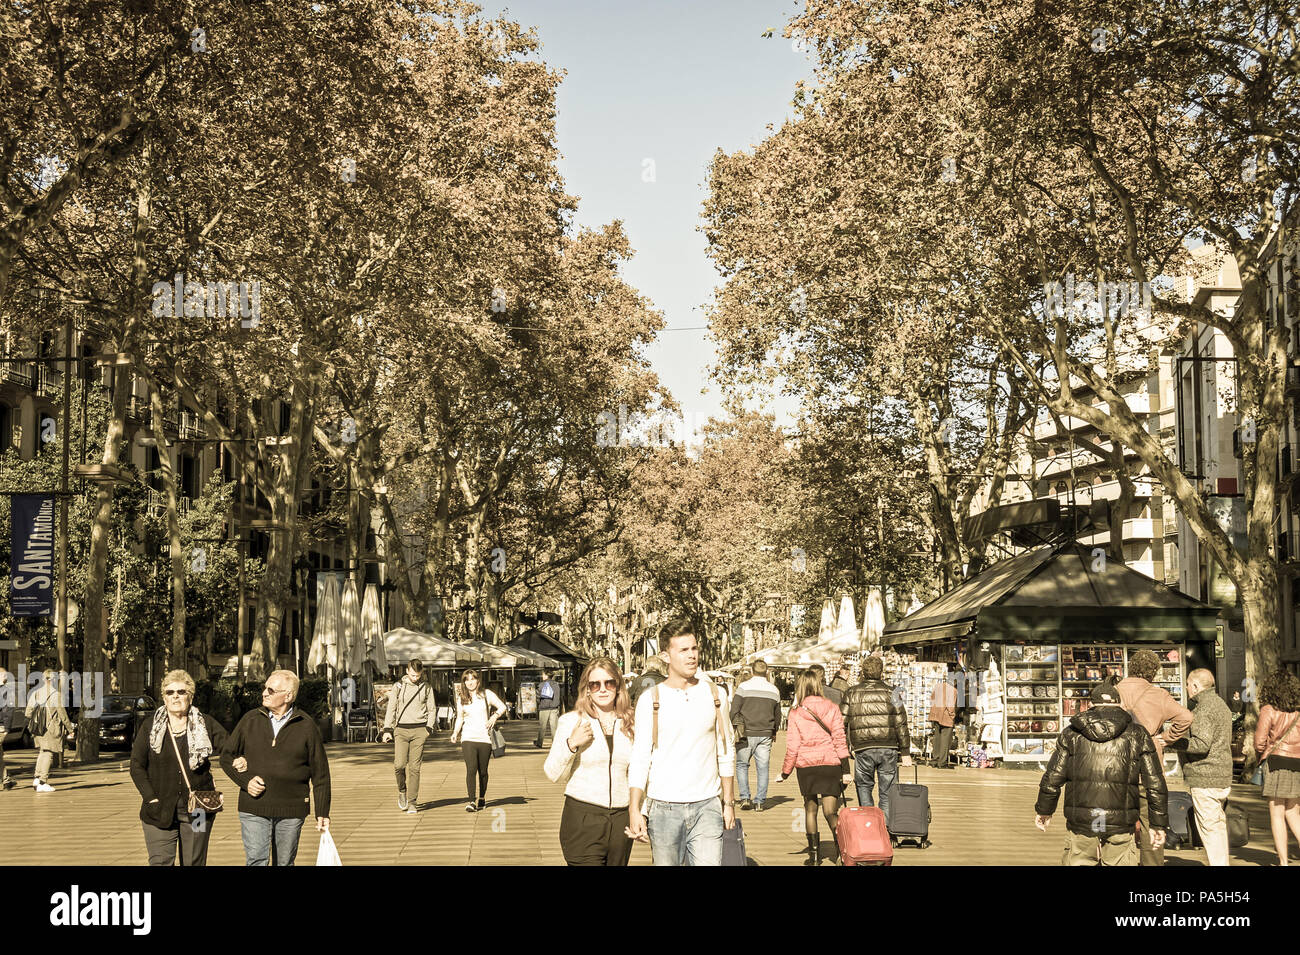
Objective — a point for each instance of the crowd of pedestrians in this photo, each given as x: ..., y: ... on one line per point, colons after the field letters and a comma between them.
x: 665, y: 758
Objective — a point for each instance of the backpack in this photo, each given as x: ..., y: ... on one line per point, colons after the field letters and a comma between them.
x: 720, y: 734
x: 39, y: 723
x: 547, y: 690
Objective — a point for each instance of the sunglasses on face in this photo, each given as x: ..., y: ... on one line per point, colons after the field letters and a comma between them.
x: 267, y: 691
x: 176, y: 692
x: 595, y: 685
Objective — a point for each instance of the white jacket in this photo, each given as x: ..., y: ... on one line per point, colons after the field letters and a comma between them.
x: 595, y: 775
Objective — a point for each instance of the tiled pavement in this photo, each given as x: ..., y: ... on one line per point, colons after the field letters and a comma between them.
x: 981, y: 817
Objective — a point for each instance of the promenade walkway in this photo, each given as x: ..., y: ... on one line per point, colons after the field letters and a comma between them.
x: 981, y: 817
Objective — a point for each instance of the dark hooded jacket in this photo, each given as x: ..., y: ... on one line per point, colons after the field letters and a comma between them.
x: 874, y: 718
x: 1102, y: 757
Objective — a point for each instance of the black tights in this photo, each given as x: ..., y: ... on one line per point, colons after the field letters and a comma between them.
x: 830, y: 809
x: 476, y: 764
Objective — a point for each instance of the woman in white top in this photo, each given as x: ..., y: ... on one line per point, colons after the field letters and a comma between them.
x: 591, y: 750
x: 477, y: 711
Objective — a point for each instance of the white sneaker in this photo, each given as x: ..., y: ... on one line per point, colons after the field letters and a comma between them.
x: 411, y: 811
x: 44, y: 788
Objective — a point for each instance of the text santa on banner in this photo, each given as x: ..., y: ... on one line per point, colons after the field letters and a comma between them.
x: 31, y: 556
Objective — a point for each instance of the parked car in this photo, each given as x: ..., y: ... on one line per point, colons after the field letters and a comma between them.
x: 123, y: 714
x: 17, y: 734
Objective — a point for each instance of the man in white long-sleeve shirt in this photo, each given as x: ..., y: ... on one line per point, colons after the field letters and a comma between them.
x: 691, y: 763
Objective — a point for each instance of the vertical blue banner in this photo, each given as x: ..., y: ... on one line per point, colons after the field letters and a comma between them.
x: 31, y: 556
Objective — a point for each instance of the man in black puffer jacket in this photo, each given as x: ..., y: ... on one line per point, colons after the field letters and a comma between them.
x: 1103, y: 756
x: 876, y: 725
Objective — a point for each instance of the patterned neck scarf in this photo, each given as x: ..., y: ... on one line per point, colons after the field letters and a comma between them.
x: 196, y: 735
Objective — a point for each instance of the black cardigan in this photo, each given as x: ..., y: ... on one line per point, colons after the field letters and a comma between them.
x: 286, y: 763
x: 158, y: 775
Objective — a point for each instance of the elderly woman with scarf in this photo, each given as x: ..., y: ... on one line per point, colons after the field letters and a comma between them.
x: 171, y: 759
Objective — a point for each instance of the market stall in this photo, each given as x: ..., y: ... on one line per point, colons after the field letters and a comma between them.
x: 565, y: 662
x: 513, y: 674
x: 1032, y: 634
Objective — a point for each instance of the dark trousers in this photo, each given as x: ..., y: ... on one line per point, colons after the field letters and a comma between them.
x: 593, y: 835
x: 942, y: 742
x: 191, y: 833
x: 476, y: 764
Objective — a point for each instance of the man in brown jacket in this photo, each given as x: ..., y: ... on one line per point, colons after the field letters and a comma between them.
x: 1152, y: 706
x: 943, y: 714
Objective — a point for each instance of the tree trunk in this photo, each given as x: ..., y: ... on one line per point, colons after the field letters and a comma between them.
x: 175, y: 652
x: 94, y: 659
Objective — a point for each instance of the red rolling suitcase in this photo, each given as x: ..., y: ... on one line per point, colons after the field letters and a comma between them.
x: 862, y: 836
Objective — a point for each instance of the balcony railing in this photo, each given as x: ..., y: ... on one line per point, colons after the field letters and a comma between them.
x: 21, y: 375
x: 157, y: 504
x: 137, y: 408
x: 49, y: 383
x: 191, y: 427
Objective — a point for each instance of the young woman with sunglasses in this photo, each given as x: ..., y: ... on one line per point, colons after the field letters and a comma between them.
x: 590, y: 752
x: 477, y: 711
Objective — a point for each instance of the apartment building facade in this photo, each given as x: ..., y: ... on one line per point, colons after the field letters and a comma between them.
x: 31, y: 394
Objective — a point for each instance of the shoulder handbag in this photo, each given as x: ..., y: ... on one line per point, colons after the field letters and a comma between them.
x: 809, y: 711
x: 498, y: 739
x: 819, y: 722
x: 1258, y: 776
x: 206, y: 800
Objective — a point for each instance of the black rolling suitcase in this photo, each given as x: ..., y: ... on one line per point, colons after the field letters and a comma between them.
x: 1180, y: 820
x: 909, y: 812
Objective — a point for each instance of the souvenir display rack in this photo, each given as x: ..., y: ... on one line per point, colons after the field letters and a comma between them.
x: 1082, y: 668
x: 1033, y: 705
x: 917, y: 682
x: 1046, y: 685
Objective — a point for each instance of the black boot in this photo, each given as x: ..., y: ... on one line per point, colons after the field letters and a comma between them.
x: 835, y: 849
x: 814, y: 849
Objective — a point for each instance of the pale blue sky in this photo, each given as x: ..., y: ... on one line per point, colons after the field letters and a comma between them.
x: 668, y: 82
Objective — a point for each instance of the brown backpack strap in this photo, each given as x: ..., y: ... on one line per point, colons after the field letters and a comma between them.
x: 654, y: 736
x: 717, y: 709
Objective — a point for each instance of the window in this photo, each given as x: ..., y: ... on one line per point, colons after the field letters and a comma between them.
x: 152, y: 467
x: 189, y: 476
x: 6, y: 428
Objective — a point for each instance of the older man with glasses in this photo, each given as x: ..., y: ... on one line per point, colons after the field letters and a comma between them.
x: 275, y: 754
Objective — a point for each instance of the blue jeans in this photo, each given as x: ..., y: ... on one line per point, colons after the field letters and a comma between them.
x: 869, y: 763
x: 685, y: 833
x: 258, y: 833
x: 761, y: 749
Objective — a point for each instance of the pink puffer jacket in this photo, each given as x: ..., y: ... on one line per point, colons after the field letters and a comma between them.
x: 806, y: 743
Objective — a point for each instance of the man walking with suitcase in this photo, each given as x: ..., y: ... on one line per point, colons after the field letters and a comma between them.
x: 876, y: 724
x: 1103, y: 758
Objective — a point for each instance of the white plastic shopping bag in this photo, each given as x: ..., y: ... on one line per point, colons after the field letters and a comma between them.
x: 328, y: 853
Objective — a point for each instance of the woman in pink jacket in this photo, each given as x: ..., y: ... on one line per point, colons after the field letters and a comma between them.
x: 816, y: 747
